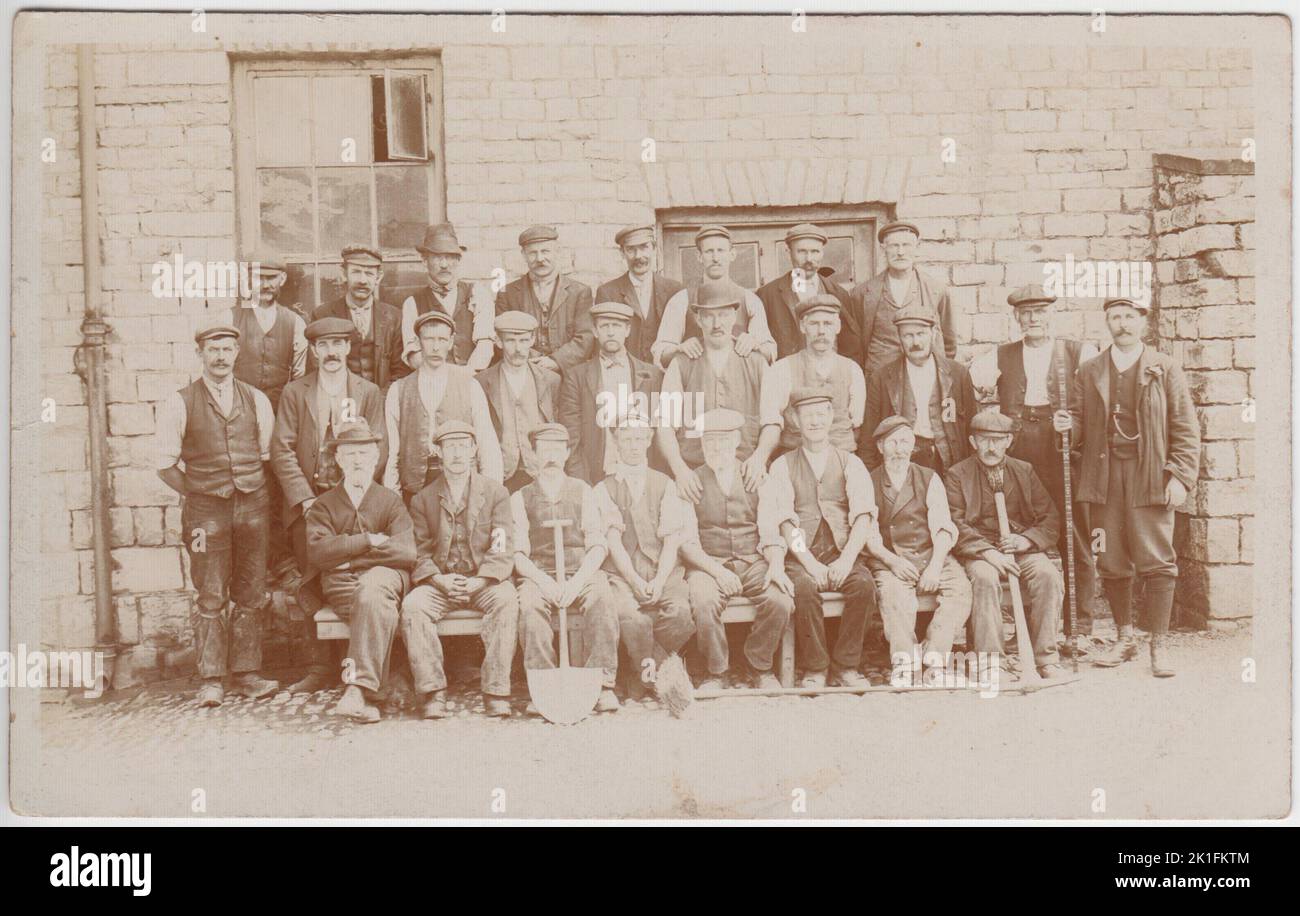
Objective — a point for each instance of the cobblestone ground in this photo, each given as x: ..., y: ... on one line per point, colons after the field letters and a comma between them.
x: 1149, y: 744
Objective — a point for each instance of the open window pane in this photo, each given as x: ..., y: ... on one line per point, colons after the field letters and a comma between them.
x: 342, y: 128
x: 283, y: 120
x: 284, y: 210
x: 407, y: 136
x: 402, y: 192
x: 344, y: 208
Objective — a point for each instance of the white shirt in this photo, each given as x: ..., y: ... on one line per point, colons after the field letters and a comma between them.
x: 432, y: 385
x: 984, y: 371
x: 674, y: 519
x: 169, y: 429
x: 922, y: 379
x: 614, y: 373
x: 1122, y: 360
x: 644, y: 289
x: 1037, y: 362
x: 776, y: 496
x: 361, y: 319
x: 594, y: 523
x: 774, y: 397
x: 899, y: 289
x: 673, y: 323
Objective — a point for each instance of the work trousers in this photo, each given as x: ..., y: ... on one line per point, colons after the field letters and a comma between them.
x: 425, y: 605
x: 898, y: 609
x: 653, y: 630
x: 227, y: 539
x: 772, y: 610
x: 1040, y: 586
x: 370, y: 602
x: 859, y: 589
x: 599, y: 627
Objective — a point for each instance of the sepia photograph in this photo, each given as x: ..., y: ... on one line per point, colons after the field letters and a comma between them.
x: 650, y: 416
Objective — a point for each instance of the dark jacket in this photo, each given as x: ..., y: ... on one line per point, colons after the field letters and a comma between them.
x: 336, y: 532
x: 965, y: 500
x: 579, y: 410
x: 494, y: 387
x: 295, y: 451
x: 386, y: 330
x: 1170, y: 435
x: 569, y: 322
x: 644, y: 330
x: 779, y: 300
x: 488, y: 521
x: 867, y: 298
x: 885, y: 398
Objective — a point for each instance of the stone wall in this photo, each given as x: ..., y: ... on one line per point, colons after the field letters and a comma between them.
x: 1052, y: 156
x: 1205, y: 304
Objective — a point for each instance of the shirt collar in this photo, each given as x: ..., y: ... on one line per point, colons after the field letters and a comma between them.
x: 626, y: 472
x: 615, y: 362
x: 1123, y: 361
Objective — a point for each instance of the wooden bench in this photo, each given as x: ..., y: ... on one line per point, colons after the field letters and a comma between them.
x: 739, y: 610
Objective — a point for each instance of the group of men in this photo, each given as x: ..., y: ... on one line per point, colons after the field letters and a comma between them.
x: 509, y: 457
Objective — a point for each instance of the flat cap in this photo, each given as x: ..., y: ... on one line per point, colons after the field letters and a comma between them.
x: 362, y: 254
x: 537, y: 234
x: 633, y: 418
x: 354, y: 432
x: 440, y: 239
x: 551, y: 432
x: 707, y: 231
x: 634, y: 235
x: 1033, y: 294
x: 518, y: 322
x: 211, y: 331
x: 916, y: 314
x: 266, y: 260
x: 823, y: 302
x: 888, y: 425
x: 897, y: 226
x: 453, y: 428
x: 992, y: 421
x: 804, y: 231
x: 437, y: 315
x: 1142, y: 305
x: 329, y: 327
x: 611, y: 310
x: 716, y: 294
x: 809, y: 394
x: 721, y: 420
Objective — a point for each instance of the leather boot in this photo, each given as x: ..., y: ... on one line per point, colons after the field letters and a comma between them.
x: 318, y: 677
x: 1160, y: 666
x: 1125, y: 649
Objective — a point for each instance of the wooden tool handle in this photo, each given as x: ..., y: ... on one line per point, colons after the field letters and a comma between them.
x: 1024, y: 645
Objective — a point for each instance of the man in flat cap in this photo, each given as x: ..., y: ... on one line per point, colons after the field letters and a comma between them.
x: 465, y: 556
x: 816, y: 365
x: 521, y: 395
x: 1033, y: 523
x: 376, y: 353
x: 417, y: 407
x: 914, y: 556
x: 806, y: 245
x: 1022, y: 379
x: 272, y: 342
x: 930, y: 390
x: 312, y: 411
x: 870, y: 335
x: 726, y: 561
x: 272, y: 350
x: 679, y: 332
x: 220, y: 429
x: 642, y: 287
x: 558, y: 507
x: 470, y: 310
x: 648, y: 522
x: 360, y: 537
x: 721, y: 377
x: 595, y: 392
x: 1133, y: 415
x: 818, y: 509
x: 561, y: 305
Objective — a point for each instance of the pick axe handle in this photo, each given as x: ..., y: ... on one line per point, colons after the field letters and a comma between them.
x: 1024, y: 646
x: 1072, y: 593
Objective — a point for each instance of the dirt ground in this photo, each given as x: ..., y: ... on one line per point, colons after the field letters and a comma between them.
x: 1142, y: 747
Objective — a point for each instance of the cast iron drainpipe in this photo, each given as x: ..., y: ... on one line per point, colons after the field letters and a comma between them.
x: 90, y: 365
